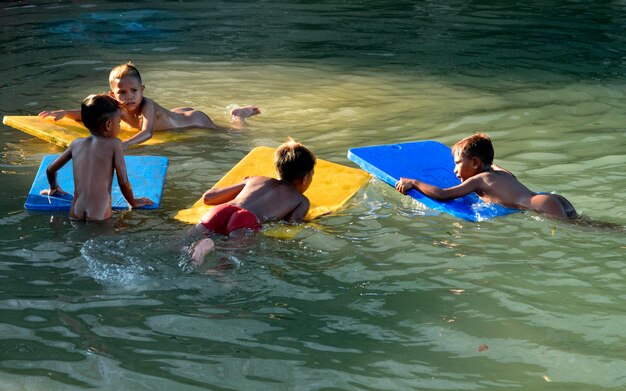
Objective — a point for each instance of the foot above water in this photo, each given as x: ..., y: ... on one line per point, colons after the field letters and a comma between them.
x: 200, y: 249
x: 245, y: 112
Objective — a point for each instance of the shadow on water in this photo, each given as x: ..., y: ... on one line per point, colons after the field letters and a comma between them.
x: 113, y: 27
x: 527, y: 41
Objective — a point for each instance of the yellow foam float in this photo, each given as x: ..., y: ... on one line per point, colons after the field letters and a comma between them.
x: 333, y: 185
x: 65, y: 130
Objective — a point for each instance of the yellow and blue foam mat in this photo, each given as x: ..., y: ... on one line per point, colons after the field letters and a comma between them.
x: 428, y: 161
x: 65, y: 130
x: 145, y: 173
x: 333, y: 185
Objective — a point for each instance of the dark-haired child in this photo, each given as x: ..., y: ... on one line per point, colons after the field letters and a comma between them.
x: 473, y: 159
x: 95, y: 157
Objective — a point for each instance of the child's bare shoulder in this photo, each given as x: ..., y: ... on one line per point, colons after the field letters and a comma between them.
x: 107, y: 140
x: 151, y: 104
x: 499, y: 178
x: 481, y: 181
x: 502, y: 175
x: 484, y: 176
x: 257, y: 179
x: 78, y: 141
x: 83, y: 142
x: 109, y: 144
x: 259, y: 183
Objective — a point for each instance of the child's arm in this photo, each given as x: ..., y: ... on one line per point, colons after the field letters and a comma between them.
x: 58, y: 114
x: 469, y: 186
x: 148, y: 115
x: 220, y: 195
x: 122, y: 178
x: 51, y: 173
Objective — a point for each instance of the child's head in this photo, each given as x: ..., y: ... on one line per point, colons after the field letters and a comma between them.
x: 475, y: 146
x: 472, y: 155
x: 126, y: 86
x: 100, y: 114
x: 125, y: 70
x: 294, y: 161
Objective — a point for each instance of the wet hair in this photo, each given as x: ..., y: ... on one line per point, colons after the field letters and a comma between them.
x: 96, y: 110
x: 478, y: 145
x: 124, y: 70
x: 293, y: 160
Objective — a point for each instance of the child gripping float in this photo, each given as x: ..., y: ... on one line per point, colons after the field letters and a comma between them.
x: 473, y: 159
x: 96, y: 158
x: 258, y: 199
x: 145, y: 114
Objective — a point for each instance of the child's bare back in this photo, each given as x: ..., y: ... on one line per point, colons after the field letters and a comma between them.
x: 164, y: 119
x: 93, y: 175
x: 95, y: 159
x: 271, y: 199
x: 179, y: 117
x: 501, y: 187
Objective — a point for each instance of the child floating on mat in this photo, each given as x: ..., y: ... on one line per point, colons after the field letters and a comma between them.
x: 258, y: 199
x: 147, y: 115
x: 95, y: 157
x: 473, y: 158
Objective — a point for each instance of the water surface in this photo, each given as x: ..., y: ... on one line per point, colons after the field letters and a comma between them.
x: 383, y: 295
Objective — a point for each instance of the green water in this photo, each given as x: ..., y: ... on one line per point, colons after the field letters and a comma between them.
x: 384, y: 295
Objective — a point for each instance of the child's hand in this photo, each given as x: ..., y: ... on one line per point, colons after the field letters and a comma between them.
x: 56, y: 115
x: 52, y: 192
x: 143, y: 201
x: 404, y: 185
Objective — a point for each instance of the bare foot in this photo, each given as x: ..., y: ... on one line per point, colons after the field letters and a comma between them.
x: 241, y: 113
x: 200, y: 249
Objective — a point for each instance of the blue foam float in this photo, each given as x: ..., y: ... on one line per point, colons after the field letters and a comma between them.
x: 145, y: 173
x: 430, y: 162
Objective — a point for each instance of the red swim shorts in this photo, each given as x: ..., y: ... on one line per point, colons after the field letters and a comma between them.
x: 225, y: 218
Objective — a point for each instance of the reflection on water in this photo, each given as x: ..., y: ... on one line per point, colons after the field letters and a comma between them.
x: 113, y: 27
x: 385, y: 294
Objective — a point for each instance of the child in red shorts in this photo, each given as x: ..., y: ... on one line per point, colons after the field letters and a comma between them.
x: 226, y: 218
x: 258, y: 199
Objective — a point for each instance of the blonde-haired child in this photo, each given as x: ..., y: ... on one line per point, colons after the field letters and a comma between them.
x: 144, y: 113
